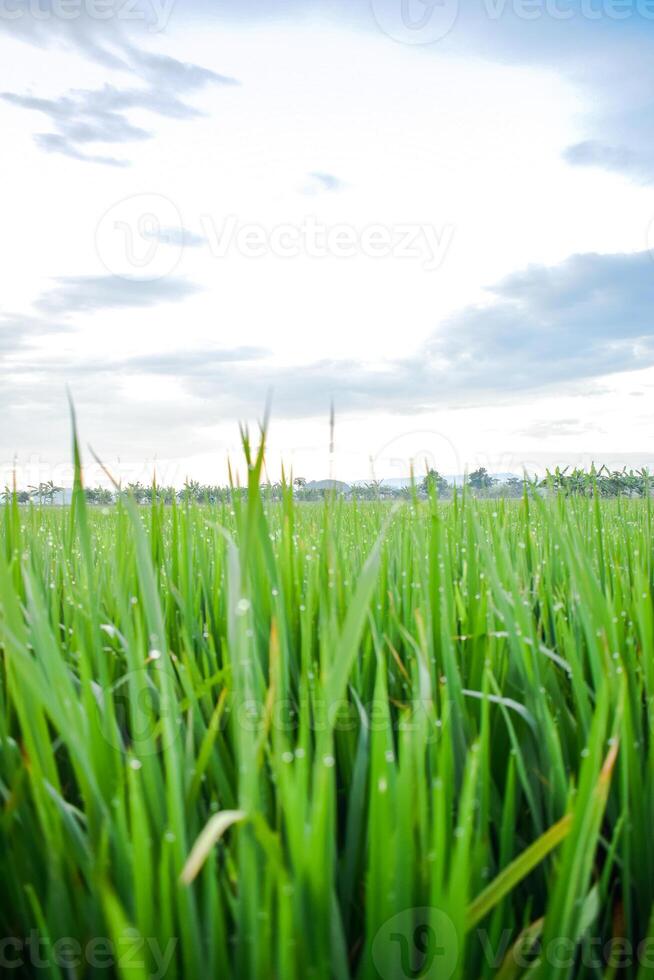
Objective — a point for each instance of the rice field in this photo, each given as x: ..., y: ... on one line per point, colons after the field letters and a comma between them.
x: 346, y: 739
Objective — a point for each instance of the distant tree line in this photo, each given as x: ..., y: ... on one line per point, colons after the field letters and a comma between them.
x: 576, y: 482
x: 604, y: 482
x: 569, y: 483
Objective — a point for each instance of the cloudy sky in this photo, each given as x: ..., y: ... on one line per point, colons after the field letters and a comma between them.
x: 437, y: 215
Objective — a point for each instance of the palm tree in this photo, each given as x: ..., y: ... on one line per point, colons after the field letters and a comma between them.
x: 45, y: 492
x: 190, y: 491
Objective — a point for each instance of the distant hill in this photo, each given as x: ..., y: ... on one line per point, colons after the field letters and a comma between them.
x: 328, y: 485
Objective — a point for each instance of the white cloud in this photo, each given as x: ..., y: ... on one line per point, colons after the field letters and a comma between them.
x: 383, y: 135
x: 83, y: 117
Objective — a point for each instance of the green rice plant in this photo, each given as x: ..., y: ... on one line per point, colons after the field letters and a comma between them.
x: 256, y: 737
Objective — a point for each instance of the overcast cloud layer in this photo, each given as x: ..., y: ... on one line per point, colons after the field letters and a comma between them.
x: 605, y: 45
x: 181, y: 96
x: 590, y: 317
